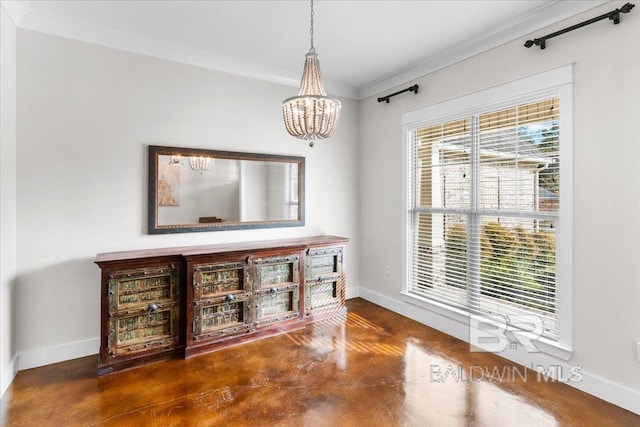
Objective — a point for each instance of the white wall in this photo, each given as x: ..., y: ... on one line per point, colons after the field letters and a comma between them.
x: 85, y: 117
x: 606, y: 197
x: 8, y: 367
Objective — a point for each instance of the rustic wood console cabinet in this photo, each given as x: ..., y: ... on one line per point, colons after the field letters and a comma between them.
x: 157, y: 304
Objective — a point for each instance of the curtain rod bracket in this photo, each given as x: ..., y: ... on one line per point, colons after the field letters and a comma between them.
x: 413, y: 89
x: 614, y: 16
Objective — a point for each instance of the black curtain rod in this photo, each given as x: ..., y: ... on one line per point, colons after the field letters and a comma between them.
x: 614, y: 16
x: 413, y: 89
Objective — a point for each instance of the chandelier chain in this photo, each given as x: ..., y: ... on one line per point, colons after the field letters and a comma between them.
x: 313, y: 49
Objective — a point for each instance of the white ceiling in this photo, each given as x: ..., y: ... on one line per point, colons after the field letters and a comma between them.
x: 364, y: 46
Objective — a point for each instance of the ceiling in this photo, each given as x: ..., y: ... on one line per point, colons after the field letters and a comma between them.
x: 364, y: 46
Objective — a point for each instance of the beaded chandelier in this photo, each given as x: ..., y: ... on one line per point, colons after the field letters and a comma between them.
x: 312, y: 114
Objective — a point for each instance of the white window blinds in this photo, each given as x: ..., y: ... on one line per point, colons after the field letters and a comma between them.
x: 484, y: 195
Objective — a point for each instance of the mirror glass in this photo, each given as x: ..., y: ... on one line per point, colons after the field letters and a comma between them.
x: 206, y: 190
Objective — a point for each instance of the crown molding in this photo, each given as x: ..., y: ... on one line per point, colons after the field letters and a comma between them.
x: 16, y: 10
x: 24, y: 17
x: 544, y: 16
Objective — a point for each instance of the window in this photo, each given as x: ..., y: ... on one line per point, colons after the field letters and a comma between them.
x: 486, y: 200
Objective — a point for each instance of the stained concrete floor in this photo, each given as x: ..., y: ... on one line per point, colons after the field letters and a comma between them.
x: 372, y: 368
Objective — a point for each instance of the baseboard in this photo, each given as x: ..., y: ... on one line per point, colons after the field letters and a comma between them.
x: 613, y: 393
x: 8, y: 375
x: 352, y: 292
x: 59, y: 353
x: 599, y: 387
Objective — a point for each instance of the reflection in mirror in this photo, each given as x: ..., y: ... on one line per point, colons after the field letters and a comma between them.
x: 203, y: 190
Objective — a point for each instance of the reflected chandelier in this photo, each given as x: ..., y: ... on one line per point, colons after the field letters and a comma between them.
x: 312, y: 114
x: 200, y: 163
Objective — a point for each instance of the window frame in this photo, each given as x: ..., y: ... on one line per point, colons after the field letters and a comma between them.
x: 557, y: 82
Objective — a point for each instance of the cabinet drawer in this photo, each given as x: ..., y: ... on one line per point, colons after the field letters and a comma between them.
x: 212, y: 280
x: 323, y: 293
x: 140, y: 287
x: 276, y: 271
x: 276, y: 304
x: 131, y: 333
x: 323, y: 262
x: 221, y: 316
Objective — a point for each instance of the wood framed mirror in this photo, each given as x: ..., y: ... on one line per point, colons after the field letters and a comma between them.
x: 192, y: 190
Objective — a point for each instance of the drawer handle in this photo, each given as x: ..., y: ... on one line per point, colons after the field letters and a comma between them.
x: 153, y: 309
x: 229, y: 298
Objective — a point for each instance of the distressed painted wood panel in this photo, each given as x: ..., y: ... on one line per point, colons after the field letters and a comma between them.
x: 143, y: 310
x: 324, y: 282
x: 323, y: 262
x: 276, y: 304
x: 143, y: 286
x: 214, y: 280
x: 142, y: 331
x: 222, y: 317
x: 275, y: 271
x: 323, y: 293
